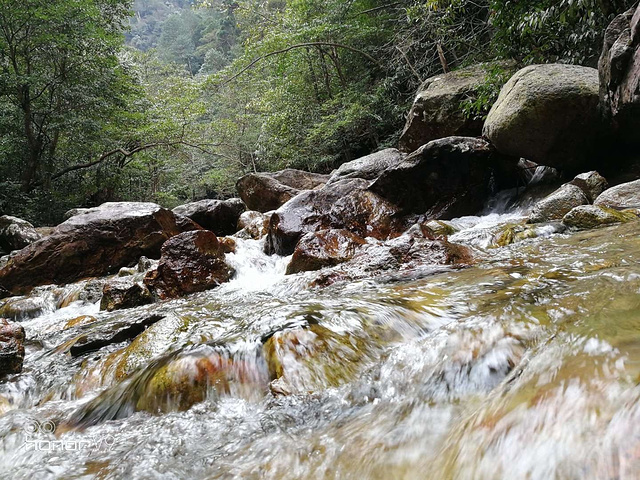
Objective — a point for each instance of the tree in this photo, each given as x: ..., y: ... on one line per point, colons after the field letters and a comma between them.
x: 60, y: 81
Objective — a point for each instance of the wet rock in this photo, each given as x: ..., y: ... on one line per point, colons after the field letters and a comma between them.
x: 547, y: 114
x: 515, y: 233
x: 586, y: 217
x: 190, y: 262
x: 620, y: 197
x: 264, y: 192
x: 80, y: 321
x: 558, y: 204
x: 219, y: 216
x: 228, y: 244
x: 121, y: 293
x: 438, y: 228
x: 619, y: 69
x: 144, y: 264
x: 11, y: 347
x: 591, y: 183
x: 87, y: 292
x: 95, y: 243
x: 109, y: 334
x: 16, y: 233
x: 412, y: 254
x: 369, y: 167
x: 254, y: 224
x: 24, y: 308
x: 437, y: 109
x: 443, y: 179
x: 323, y: 249
x: 345, y: 204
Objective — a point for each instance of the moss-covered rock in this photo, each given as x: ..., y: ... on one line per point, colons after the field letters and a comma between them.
x: 586, y: 217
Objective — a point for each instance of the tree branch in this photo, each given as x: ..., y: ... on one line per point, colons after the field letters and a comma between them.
x: 300, y: 45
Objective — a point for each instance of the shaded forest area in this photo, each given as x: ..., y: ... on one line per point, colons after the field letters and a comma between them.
x: 171, y: 101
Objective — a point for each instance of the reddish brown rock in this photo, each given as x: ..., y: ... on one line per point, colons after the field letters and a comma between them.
x: 190, y: 262
x: 345, y: 204
x: 219, y: 216
x: 268, y: 191
x: 11, y: 347
x: 95, y: 243
x: 324, y: 249
x: 228, y: 244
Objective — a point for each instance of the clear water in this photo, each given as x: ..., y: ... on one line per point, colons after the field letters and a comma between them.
x: 525, y: 365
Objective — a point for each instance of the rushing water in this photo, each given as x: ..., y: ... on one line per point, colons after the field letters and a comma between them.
x: 525, y: 365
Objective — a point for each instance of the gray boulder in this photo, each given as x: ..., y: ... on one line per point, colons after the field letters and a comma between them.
x: 586, y: 217
x: 16, y: 233
x: 591, y: 183
x: 620, y: 197
x: 219, y: 216
x: 369, y: 167
x: 436, y: 111
x: 558, y: 204
x: 547, y: 114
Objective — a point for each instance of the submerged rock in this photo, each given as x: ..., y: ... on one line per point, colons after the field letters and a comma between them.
x: 219, y: 216
x: 558, y: 204
x: 547, y: 114
x: 620, y: 197
x: 369, y: 167
x: 437, y: 109
x: 323, y: 249
x: 619, y: 68
x: 592, y: 216
x: 190, y: 262
x: 11, y: 347
x: 438, y: 228
x: 345, y: 204
x: 95, y: 243
x: 444, y: 179
x: 264, y: 192
x: 16, y: 233
x: 124, y: 293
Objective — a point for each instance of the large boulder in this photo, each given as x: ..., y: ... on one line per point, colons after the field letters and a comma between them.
x: 16, y: 233
x: 345, y: 204
x: 443, y: 179
x: 190, y: 262
x: 369, y: 167
x: 219, y: 216
x: 619, y: 68
x: 437, y: 109
x: 323, y: 249
x: 264, y: 192
x: 558, y: 204
x: 591, y: 216
x: 11, y: 347
x: 95, y: 243
x: 547, y: 114
x: 620, y: 197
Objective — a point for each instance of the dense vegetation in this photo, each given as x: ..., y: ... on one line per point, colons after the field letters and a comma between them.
x: 202, y: 92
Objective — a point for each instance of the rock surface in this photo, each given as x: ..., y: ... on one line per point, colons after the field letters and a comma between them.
x: 219, y: 216
x: 254, y: 224
x: 591, y: 183
x: 124, y: 293
x: 345, y: 204
x: 190, y: 262
x: 369, y: 167
x: 619, y: 69
x: 547, y: 114
x: 558, y: 204
x: 437, y: 112
x: 591, y: 216
x: 95, y: 243
x: 620, y: 197
x: 264, y: 192
x: 16, y: 233
x: 11, y: 347
x: 444, y: 179
x: 323, y: 249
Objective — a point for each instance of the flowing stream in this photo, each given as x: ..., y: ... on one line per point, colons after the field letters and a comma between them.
x: 525, y: 365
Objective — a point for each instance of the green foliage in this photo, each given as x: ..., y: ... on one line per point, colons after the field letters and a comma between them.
x: 478, y: 106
